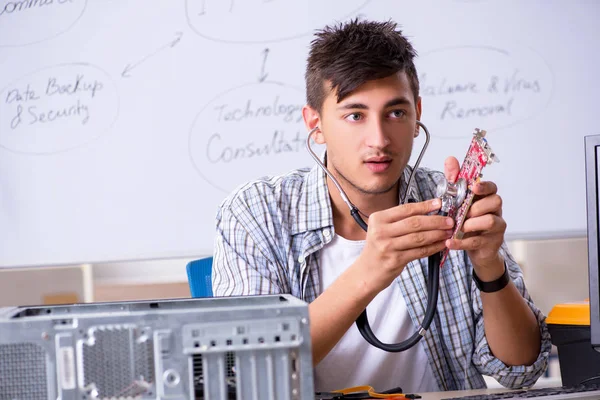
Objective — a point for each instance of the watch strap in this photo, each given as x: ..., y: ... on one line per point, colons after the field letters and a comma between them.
x: 493, y: 286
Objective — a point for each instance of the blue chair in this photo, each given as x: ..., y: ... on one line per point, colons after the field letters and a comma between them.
x: 199, y: 277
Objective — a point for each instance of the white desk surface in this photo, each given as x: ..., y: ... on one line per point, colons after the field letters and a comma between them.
x: 542, y: 382
x: 459, y: 393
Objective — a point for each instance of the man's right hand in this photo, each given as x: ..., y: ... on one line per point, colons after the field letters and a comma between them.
x: 399, y: 235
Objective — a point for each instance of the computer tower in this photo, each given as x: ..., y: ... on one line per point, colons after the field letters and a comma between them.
x: 214, y: 348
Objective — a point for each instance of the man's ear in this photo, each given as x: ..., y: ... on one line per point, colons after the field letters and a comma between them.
x: 312, y: 120
x: 419, y: 110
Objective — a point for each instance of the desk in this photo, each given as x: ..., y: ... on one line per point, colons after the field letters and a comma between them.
x: 541, y: 383
x: 459, y: 393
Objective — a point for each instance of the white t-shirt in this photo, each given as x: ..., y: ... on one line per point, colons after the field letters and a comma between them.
x: 353, y: 361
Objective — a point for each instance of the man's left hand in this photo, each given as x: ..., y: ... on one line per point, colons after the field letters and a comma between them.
x: 484, y: 226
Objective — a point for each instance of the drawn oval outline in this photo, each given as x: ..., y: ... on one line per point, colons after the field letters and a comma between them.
x: 241, y: 40
x: 192, y: 136
x: 52, y: 36
x: 499, y: 52
x: 92, y: 138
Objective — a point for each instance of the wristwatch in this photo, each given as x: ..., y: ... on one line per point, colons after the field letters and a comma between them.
x: 493, y: 286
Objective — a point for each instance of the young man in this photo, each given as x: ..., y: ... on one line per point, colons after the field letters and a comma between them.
x: 294, y: 234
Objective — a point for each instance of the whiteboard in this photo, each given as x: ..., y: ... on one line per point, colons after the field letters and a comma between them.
x: 124, y: 124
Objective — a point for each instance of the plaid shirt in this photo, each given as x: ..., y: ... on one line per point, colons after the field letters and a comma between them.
x: 269, y: 233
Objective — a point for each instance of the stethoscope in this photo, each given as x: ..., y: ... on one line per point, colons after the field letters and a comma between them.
x: 433, y: 280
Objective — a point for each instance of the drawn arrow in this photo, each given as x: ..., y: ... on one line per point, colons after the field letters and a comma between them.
x: 171, y: 44
x: 203, y: 7
x: 263, y: 75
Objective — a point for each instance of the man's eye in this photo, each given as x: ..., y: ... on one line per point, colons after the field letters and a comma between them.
x: 354, y: 117
x: 398, y: 113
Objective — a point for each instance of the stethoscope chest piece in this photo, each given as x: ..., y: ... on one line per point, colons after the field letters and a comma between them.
x: 451, y: 194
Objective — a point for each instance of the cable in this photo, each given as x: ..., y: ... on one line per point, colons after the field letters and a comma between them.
x: 588, y: 380
x: 433, y: 282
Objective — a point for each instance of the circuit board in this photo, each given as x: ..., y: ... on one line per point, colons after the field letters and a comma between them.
x: 478, y: 156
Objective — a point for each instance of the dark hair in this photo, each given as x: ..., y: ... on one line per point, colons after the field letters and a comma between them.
x: 350, y: 54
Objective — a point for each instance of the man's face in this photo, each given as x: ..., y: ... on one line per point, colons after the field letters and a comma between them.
x: 369, y: 134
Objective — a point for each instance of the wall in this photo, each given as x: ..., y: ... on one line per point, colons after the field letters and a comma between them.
x: 58, y: 285
x: 555, y: 271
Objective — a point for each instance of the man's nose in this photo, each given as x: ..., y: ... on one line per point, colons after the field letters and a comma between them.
x: 376, y: 136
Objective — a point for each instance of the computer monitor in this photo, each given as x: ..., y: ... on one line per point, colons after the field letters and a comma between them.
x: 592, y: 172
